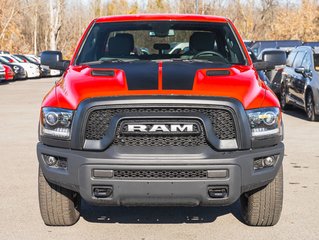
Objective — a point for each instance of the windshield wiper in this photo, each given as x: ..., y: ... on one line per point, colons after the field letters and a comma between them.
x: 102, y: 61
x: 195, y: 60
x: 110, y: 60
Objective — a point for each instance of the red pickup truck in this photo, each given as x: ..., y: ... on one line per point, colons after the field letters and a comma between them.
x: 131, y: 123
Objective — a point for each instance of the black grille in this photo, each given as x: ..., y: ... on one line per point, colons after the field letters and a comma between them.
x: 160, y: 174
x: 98, y: 123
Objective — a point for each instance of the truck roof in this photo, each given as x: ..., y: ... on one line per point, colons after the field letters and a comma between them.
x: 159, y: 17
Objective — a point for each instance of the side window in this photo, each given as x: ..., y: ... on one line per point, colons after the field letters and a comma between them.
x: 89, y: 52
x: 306, y: 63
x: 291, y: 58
x: 298, y: 59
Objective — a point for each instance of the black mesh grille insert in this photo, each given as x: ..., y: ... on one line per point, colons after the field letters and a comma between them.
x: 160, y: 174
x: 98, y: 123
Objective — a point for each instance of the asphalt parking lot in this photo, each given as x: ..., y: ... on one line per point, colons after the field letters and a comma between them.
x: 20, y: 217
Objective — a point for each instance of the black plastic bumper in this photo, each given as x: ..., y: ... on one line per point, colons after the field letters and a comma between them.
x: 240, y: 177
x: 20, y: 75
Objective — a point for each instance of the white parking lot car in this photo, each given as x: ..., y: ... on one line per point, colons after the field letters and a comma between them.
x: 32, y: 70
x: 53, y: 72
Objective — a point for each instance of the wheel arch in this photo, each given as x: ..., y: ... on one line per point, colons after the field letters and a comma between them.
x: 315, y: 96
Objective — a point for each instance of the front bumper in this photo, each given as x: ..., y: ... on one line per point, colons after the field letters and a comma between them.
x: 2, y: 76
x: 20, y: 75
x: 240, y: 177
x: 33, y: 72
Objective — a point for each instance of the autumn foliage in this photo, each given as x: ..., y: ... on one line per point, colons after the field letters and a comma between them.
x: 31, y: 26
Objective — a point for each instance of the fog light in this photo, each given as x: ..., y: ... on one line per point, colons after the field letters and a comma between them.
x: 50, y: 160
x: 260, y: 163
x: 269, y: 161
x: 55, y: 162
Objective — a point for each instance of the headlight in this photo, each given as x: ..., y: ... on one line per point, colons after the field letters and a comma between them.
x: 56, y: 122
x: 264, y: 121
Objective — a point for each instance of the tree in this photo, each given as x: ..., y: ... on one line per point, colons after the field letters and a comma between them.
x: 31, y: 26
x: 55, y: 11
x: 96, y: 8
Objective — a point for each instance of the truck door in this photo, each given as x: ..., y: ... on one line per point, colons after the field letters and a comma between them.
x: 302, y: 82
x: 288, y: 71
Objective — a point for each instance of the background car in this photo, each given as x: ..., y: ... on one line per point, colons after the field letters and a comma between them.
x: 300, y: 81
x: 4, y: 52
x: 32, y: 70
x: 9, y: 74
x: 311, y: 44
x: 44, y: 72
x: 19, y: 71
x: 2, y: 73
x: 248, y: 43
x: 287, y: 45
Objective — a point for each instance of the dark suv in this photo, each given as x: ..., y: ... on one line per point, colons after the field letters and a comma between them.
x: 300, y: 81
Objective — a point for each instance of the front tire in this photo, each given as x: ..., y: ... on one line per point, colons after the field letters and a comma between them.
x: 58, y: 206
x: 310, y: 108
x: 262, y: 207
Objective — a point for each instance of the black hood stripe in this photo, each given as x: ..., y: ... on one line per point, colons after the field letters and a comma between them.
x: 139, y: 75
x: 168, y: 75
x: 181, y: 75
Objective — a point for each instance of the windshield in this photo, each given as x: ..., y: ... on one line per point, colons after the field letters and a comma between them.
x: 165, y: 40
x: 11, y: 59
x: 18, y: 59
x: 31, y: 59
x: 4, y: 59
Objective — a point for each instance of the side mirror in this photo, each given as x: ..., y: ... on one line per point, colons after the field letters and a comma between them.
x: 305, y: 72
x: 53, y: 59
x: 300, y: 70
x: 275, y: 57
x: 263, y: 66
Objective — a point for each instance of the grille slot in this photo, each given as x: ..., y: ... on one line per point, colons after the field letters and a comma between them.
x: 160, y: 174
x: 99, y: 120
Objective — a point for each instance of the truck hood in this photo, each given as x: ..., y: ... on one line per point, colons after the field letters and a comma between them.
x: 158, y: 78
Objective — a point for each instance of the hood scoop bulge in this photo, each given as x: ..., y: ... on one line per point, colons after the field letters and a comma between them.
x: 103, y: 73
x: 216, y: 73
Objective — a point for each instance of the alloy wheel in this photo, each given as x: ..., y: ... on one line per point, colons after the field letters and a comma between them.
x: 310, y: 107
